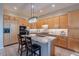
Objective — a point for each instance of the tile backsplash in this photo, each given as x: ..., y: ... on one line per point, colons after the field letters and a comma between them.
x: 51, y: 31
x: 58, y: 31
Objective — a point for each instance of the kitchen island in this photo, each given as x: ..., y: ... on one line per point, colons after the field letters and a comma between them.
x: 45, y: 42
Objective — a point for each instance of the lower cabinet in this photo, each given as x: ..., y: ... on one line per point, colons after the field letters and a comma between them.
x: 61, y: 41
x: 64, y: 52
x: 73, y: 44
x: 6, y: 38
x: 66, y: 46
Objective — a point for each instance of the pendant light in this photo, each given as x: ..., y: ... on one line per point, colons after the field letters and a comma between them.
x: 33, y: 18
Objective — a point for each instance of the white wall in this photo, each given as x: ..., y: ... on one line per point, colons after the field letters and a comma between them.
x: 1, y: 26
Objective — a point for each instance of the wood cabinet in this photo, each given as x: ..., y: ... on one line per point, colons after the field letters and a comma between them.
x: 50, y: 23
x: 73, y: 44
x: 63, y: 21
x: 73, y: 19
x: 73, y: 24
x: 73, y: 33
x: 64, y: 52
x: 70, y: 20
x: 30, y: 25
x: 53, y: 22
x: 62, y: 41
x: 40, y: 22
x: 23, y: 22
x: 33, y: 26
x: 66, y: 45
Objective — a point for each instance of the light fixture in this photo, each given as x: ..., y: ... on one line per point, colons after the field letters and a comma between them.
x: 53, y: 5
x: 41, y: 11
x: 15, y: 8
x: 33, y: 6
x: 33, y: 18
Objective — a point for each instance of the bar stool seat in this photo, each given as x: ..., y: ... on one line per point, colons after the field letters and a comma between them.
x: 35, y: 47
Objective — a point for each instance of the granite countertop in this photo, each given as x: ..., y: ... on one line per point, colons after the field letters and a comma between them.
x: 42, y: 38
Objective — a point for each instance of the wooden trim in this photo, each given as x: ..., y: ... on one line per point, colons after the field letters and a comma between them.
x: 10, y: 44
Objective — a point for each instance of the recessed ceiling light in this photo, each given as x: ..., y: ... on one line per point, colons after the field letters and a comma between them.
x: 15, y: 8
x: 53, y: 5
x: 33, y: 6
x: 41, y: 11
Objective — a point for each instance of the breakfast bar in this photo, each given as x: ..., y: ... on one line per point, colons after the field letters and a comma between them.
x: 45, y: 43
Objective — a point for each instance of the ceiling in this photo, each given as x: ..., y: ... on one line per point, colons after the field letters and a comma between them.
x: 28, y: 10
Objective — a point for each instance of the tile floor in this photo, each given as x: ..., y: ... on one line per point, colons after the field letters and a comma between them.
x: 10, y: 51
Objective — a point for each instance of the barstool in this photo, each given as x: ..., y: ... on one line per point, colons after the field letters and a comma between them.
x: 22, y: 44
x: 33, y: 48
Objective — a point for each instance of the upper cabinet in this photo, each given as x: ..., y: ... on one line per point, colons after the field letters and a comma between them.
x: 40, y: 22
x: 73, y: 33
x: 6, y: 21
x: 53, y: 22
x: 23, y: 22
x: 32, y: 26
x: 64, y: 21
x: 73, y: 19
x: 69, y: 20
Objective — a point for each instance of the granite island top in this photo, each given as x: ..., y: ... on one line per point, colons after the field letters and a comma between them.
x: 42, y: 38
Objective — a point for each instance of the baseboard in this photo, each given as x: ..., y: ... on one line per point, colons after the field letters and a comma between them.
x: 10, y: 44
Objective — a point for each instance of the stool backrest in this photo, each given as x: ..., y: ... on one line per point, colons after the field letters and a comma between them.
x: 29, y: 42
x: 20, y: 38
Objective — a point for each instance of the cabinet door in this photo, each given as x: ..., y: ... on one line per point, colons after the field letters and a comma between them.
x: 33, y: 25
x: 40, y: 22
x: 56, y: 22
x: 73, y: 33
x: 61, y: 41
x: 63, y: 52
x: 73, y: 44
x: 50, y: 23
x: 53, y: 22
x: 6, y: 38
x: 64, y: 21
x: 73, y: 19
x: 23, y: 22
